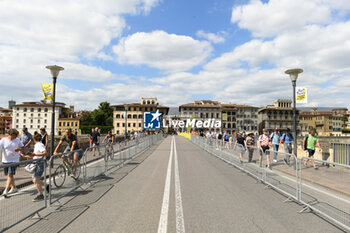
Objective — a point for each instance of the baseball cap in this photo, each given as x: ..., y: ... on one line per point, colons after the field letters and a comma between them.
x: 264, y: 129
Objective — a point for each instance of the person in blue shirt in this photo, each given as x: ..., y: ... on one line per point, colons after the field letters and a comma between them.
x: 275, y: 138
x: 287, y: 139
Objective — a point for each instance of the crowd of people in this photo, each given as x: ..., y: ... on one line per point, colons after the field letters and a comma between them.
x: 266, y: 142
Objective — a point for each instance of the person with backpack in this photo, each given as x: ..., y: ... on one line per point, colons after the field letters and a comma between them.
x: 226, y: 139
x: 250, y: 145
x: 240, y: 145
x: 263, y: 144
x: 219, y: 139
x: 309, y: 144
x: 275, y: 138
x: 287, y: 139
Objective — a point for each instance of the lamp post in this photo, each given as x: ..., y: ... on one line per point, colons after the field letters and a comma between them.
x: 126, y: 117
x: 55, y: 70
x: 293, y: 74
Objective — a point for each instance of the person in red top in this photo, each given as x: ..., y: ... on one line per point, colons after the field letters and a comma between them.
x: 263, y: 144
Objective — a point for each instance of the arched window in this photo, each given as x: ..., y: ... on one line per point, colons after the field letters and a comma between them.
x: 129, y: 116
x: 117, y: 116
x: 134, y: 116
x: 148, y: 102
x: 153, y: 102
x: 140, y: 116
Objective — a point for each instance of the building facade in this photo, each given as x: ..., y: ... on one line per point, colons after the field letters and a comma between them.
x: 279, y: 115
x: 5, y: 120
x: 201, y: 110
x: 229, y: 117
x: 325, y: 123
x: 36, y: 115
x: 247, y: 118
x: 134, y: 115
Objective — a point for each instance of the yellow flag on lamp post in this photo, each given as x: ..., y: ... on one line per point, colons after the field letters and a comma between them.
x: 301, y: 95
x: 47, y: 91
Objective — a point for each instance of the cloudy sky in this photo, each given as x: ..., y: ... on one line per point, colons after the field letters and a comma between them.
x: 233, y: 51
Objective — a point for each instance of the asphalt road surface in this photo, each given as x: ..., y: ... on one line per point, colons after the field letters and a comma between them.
x: 181, y: 188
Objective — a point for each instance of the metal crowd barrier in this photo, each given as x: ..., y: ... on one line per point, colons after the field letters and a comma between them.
x: 19, y: 206
x: 341, y: 153
x: 294, y: 186
x: 334, y: 210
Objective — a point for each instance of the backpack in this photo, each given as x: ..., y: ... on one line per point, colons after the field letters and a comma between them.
x: 226, y: 137
x: 220, y: 136
x: 305, y: 144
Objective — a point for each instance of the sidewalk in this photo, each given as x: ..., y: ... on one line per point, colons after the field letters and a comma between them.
x: 334, y: 178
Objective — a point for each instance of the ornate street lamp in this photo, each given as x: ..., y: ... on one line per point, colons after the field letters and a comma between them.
x: 55, y: 70
x: 293, y: 73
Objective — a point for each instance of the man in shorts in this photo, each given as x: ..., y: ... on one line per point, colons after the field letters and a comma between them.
x: 10, y: 146
x: 72, y: 141
x: 311, y: 141
x: 95, y: 141
x: 263, y: 144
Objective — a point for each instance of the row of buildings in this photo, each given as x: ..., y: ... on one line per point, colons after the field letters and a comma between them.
x: 129, y: 117
x: 37, y: 115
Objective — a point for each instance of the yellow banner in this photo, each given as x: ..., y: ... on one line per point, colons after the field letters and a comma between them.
x: 224, y: 116
x: 47, y: 91
x: 301, y: 95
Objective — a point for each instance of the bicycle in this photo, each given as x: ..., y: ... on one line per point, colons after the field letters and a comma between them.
x: 109, y: 151
x: 65, y: 169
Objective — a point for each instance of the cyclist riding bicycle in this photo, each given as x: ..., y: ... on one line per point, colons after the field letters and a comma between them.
x: 72, y: 141
x: 109, y: 138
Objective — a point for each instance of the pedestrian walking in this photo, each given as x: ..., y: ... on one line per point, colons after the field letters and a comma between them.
x: 90, y: 136
x: 287, y: 139
x: 11, y: 146
x: 39, y: 152
x: 26, y: 139
x: 44, y: 137
x: 250, y: 145
x: 310, y: 142
x: 96, y: 141
x: 240, y: 145
x: 263, y: 144
x: 226, y: 140
x: 275, y: 138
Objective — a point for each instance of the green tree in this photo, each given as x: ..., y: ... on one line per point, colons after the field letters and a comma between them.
x: 106, y: 108
x: 98, y: 117
x: 86, y: 118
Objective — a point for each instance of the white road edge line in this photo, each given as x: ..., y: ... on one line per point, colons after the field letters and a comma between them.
x: 180, y: 225
x: 163, y: 221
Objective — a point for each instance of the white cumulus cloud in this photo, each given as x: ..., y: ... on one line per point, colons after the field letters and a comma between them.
x: 166, y: 52
x: 214, y: 38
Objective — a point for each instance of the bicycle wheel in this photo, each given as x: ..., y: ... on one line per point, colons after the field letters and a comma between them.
x: 77, y: 171
x: 59, y: 176
x: 106, y: 154
x: 111, y: 155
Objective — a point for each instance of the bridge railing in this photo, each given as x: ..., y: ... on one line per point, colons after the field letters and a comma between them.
x: 93, y: 162
x: 286, y: 177
x: 341, y: 153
